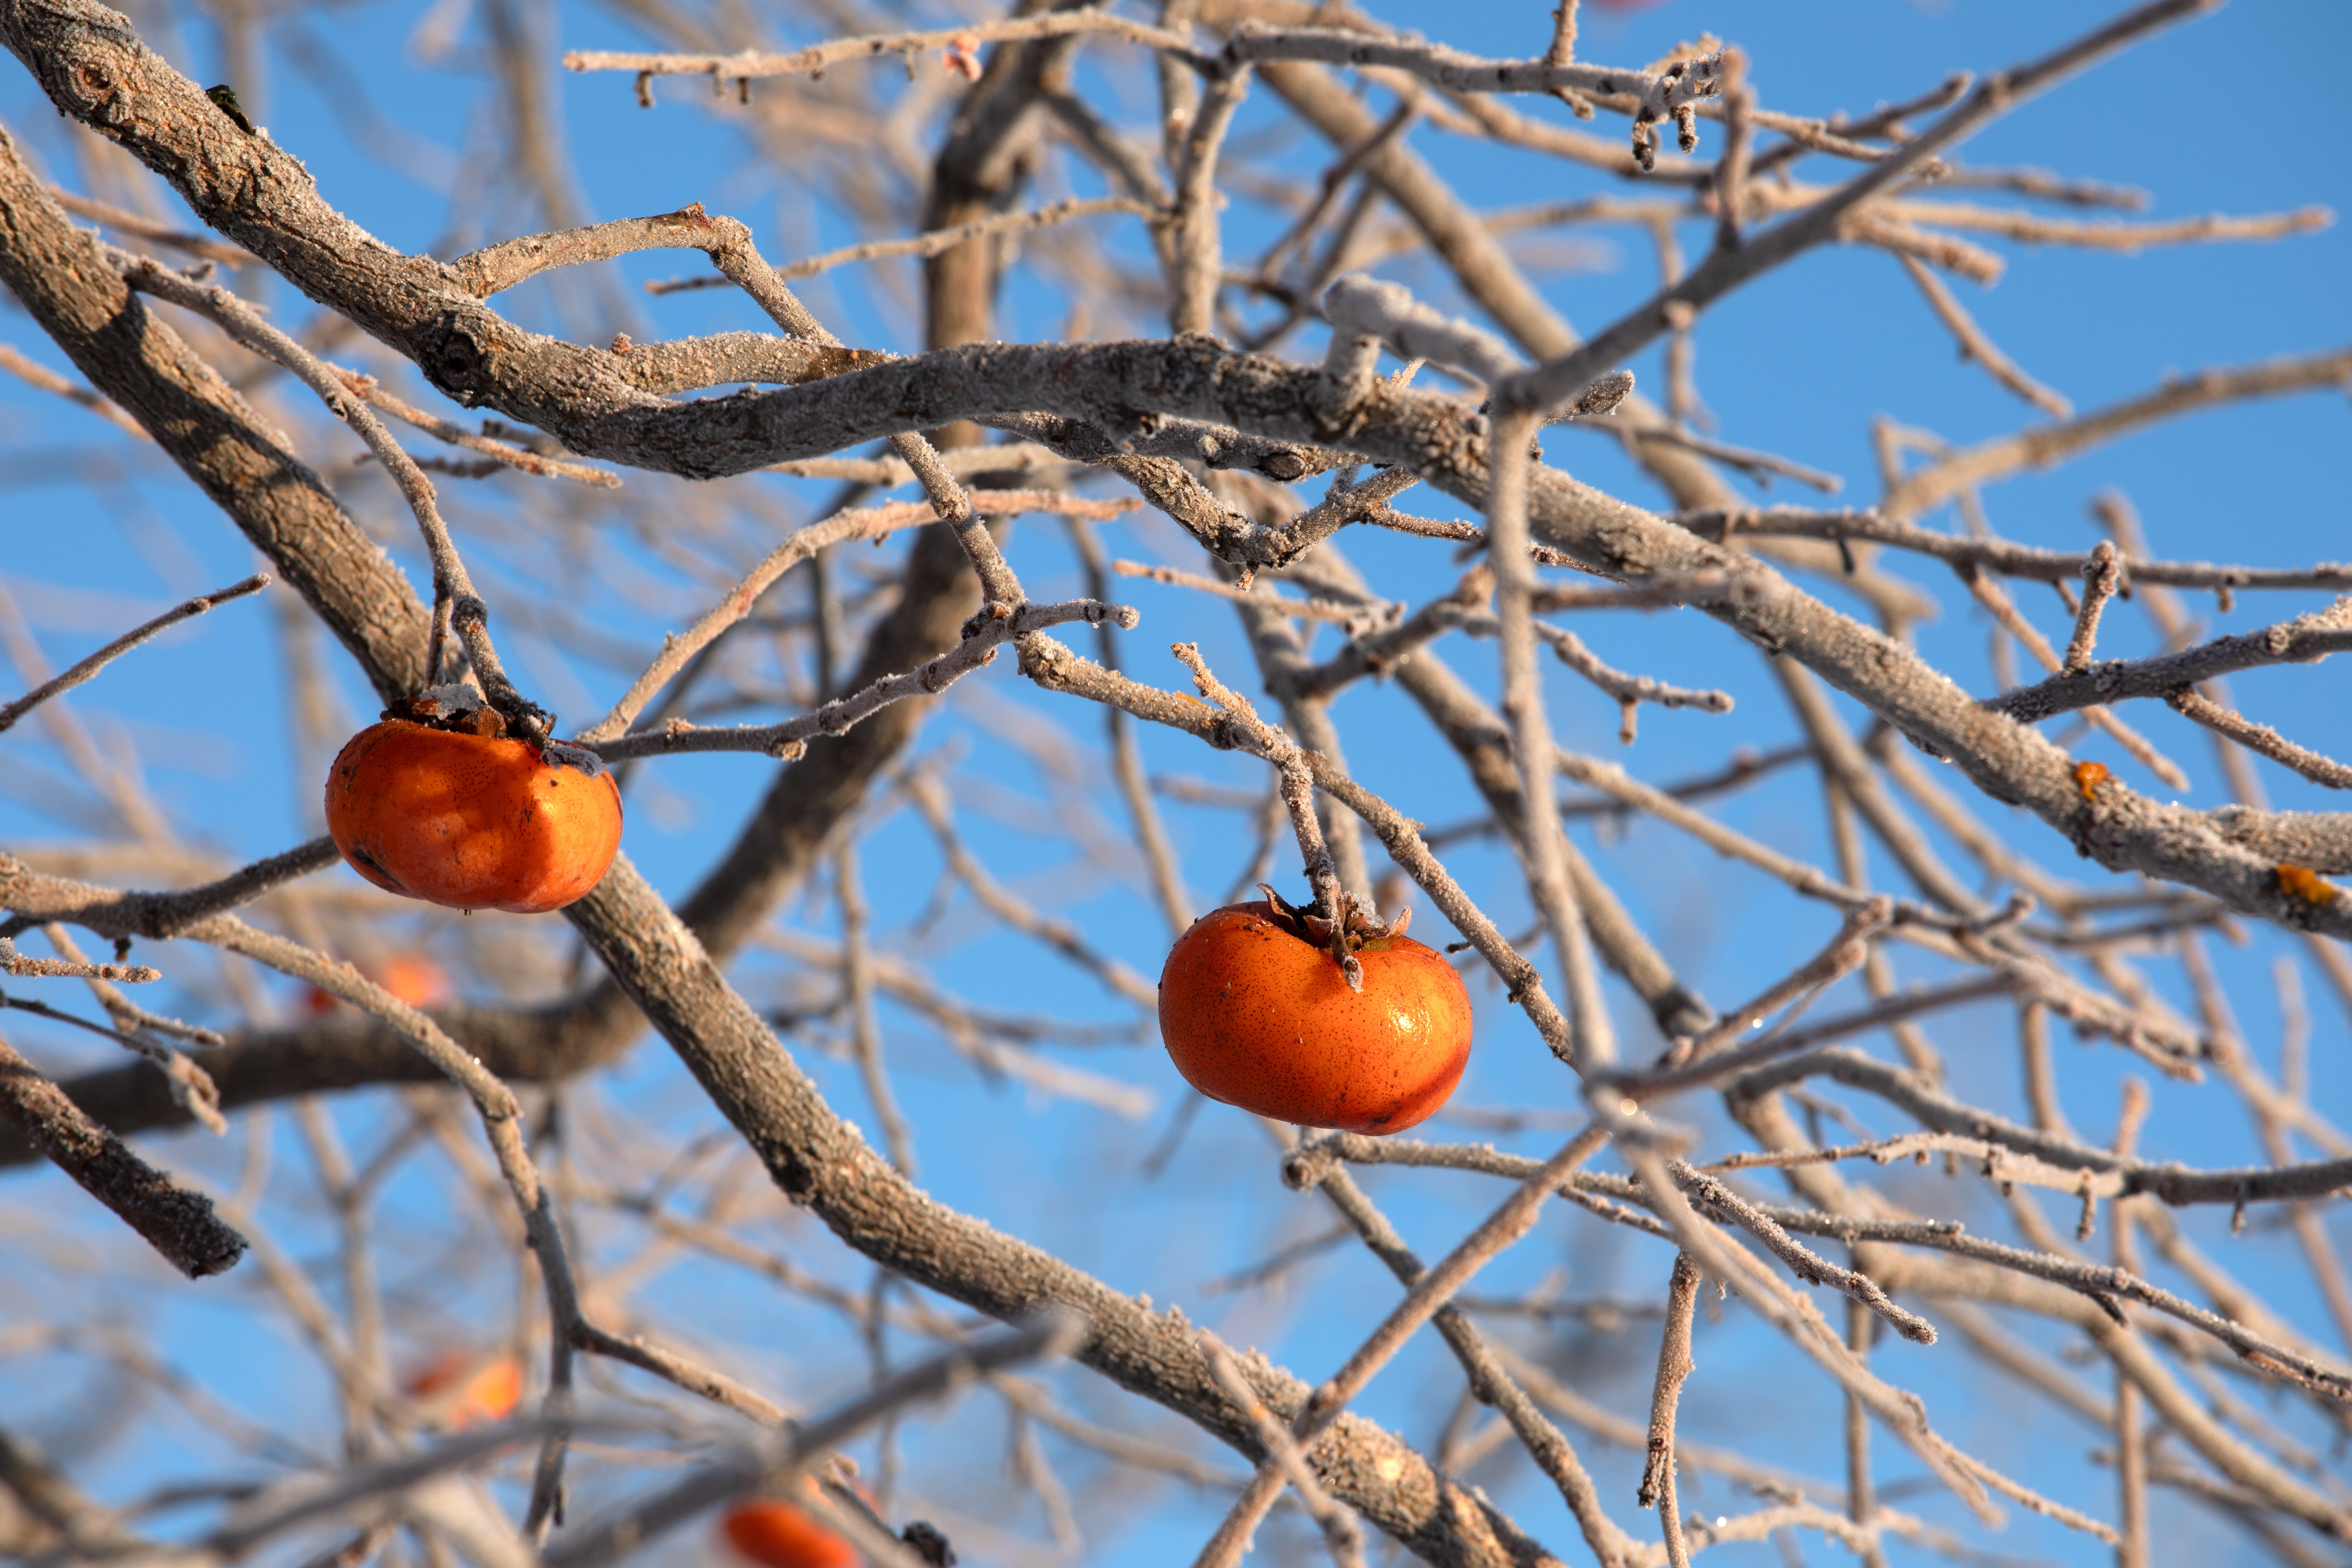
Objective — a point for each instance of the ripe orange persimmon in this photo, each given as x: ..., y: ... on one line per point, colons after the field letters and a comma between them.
x: 414, y: 979
x: 410, y: 977
x: 463, y: 1389
x: 472, y: 820
x: 1257, y: 1012
x: 778, y: 1535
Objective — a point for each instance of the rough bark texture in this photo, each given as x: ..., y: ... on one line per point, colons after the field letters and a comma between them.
x: 177, y: 1223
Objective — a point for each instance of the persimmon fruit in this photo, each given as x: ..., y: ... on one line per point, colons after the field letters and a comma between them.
x: 412, y: 978
x: 409, y: 977
x: 472, y: 820
x: 465, y: 1389
x: 775, y: 1534
x: 1255, y: 1010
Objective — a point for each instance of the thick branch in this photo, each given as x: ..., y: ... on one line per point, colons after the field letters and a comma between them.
x: 176, y: 1221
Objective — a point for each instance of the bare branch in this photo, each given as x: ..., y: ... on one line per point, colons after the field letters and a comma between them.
x: 453, y: 587
x: 178, y: 1223
x: 1506, y: 1226
x: 1652, y: 95
x: 2227, y: 722
x: 113, y: 913
x: 1925, y: 488
x: 2101, y: 578
x: 2306, y: 639
x: 816, y: 60
x: 15, y: 962
x: 499, y: 452
x: 2001, y: 555
x: 1339, y: 1526
x: 997, y: 624
x: 1975, y: 346
x: 1675, y: 1364
x: 89, y: 667
x: 1728, y: 269
x: 202, y: 245
x: 48, y: 380
x: 937, y: 242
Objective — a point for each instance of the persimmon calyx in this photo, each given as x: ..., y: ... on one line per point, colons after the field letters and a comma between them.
x: 460, y: 710
x: 1357, y: 927
x: 450, y: 707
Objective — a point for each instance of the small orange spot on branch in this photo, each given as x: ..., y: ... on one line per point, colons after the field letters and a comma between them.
x: 2302, y: 883
x: 2088, y: 777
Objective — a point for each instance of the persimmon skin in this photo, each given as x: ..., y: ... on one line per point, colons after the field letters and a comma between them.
x: 778, y: 1535
x: 409, y: 977
x: 489, y: 1391
x: 1257, y: 1016
x: 469, y: 822
x: 414, y: 979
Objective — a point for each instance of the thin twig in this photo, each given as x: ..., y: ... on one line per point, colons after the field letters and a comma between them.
x: 124, y: 644
x: 852, y: 523
x: 204, y: 245
x: 1841, y: 957
x: 1999, y: 555
x: 1126, y: 762
x: 1975, y: 346
x: 816, y: 59
x: 38, y: 374
x: 1924, y: 489
x: 2101, y: 578
x: 998, y: 625
x: 1341, y: 1534
x: 2315, y: 766
x: 1563, y: 52
x: 452, y: 586
x: 1523, y: 705
x: 1731, y: 165
x: 1991, y: 594
x: 15, y: 962
x: 1196, y: 265
x: 1629, y: 690
x: 776, y: 1456
x: 1675, y: 1364
x: 1725, y: 270
x: 1298, y: 788
x: 2303, y: 640
x: 865, y: 1028
x: 934, y: 242
x: 497, y: 452
x: 1312, y: 609
x: 1509, y: 1222
x: 118, y: 913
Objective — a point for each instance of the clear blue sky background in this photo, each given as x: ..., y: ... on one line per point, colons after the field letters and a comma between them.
x: 1797, y: 364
